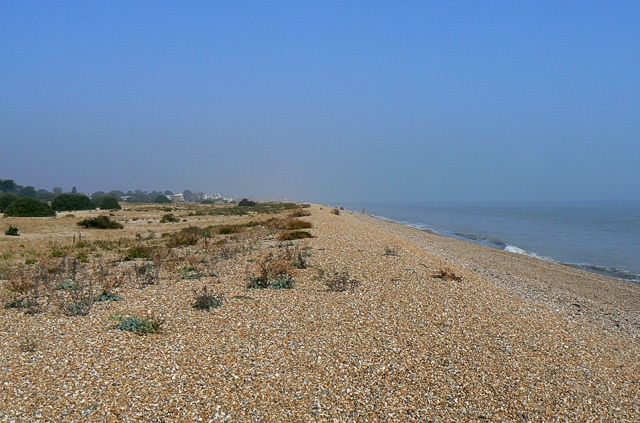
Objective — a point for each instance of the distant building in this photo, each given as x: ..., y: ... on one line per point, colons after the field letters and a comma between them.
x: 176, y: 198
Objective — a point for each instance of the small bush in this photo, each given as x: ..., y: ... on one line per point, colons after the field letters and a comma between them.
x: 206, y: 300
x: 336, y: 211
x: 298, y: 224
x: 138, y: 252
x: 12, y: 231
x: 100, y: 222
x: 447, y: 275
x: 340, y: 281
x: 273, y: 272
x: 300, y: 213
x: 28, y: 207
x: 169, y: 218
x: 107, y: 296
x: 290, y: 236
x: 185, y: 236
x: 138, y: 325
x: 390, y: 250
x: 68, y: 202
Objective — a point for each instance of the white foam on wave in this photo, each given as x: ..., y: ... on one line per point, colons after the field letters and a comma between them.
x: 517, y: 250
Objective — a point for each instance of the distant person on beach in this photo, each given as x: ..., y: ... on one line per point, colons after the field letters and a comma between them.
x: 363, y: 211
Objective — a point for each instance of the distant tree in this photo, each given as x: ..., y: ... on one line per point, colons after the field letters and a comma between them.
x: 98, y: 194
x: 57, y: 190
x: 188, y: 195
x: 29, y: 207
x: 68, y: 202
x: 45, y: 195
x: 167, y: 192
x: 5, y: 200
x: 107, y: 202
x: 74, y: 190
x: 246, y: 203
x: 162, y: 199
x: 117, y: 194
x: 8, y: 185
x: 28, y: 191
x: 133, y: 199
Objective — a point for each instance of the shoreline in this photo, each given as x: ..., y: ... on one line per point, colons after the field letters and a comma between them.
x: 612, y: 301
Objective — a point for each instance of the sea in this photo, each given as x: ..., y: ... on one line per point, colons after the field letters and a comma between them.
x: 600, y: 237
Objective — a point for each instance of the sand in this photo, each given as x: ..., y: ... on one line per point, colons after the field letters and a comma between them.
x: 515, y: 339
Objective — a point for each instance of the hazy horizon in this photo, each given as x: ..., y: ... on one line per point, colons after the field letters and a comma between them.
x: 339, y: 102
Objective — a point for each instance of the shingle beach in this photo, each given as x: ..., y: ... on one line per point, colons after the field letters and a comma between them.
x: 512, y: 338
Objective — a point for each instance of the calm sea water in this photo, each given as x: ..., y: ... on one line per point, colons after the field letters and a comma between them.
x: 599, y: 237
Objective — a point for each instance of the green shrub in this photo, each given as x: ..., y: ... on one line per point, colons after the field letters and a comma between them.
x: 138, y: 325
x: 5, y: 200
x: 107, y: 202
x: 100, y: 222
x: 169, y: 218
x: 206, y: 300
x: 246, y: 203
x: 68, y: 202
x: 138, y: 252
x: 12, y: 231
x: 28, y: 207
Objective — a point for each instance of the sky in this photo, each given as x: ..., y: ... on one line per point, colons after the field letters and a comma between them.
x: 327, y: 101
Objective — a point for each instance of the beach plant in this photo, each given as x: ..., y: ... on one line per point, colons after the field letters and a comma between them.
x: 206, y: 300
x: 138, y: 325
x: 294, y: 224
x: 336, y: 211
x: 229, y: 229
x: 185, y: 237
x: 12, y: 231
x: 107, y: 296
x: 138, y: 252
x: 100, y: 222
x: 339, y: 281
x: 273, y: 272
x: 300, y: 213
x: 447, y: 275
x: 390, y: 250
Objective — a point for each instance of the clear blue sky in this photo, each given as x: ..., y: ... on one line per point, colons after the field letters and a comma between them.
x: 324, y: 101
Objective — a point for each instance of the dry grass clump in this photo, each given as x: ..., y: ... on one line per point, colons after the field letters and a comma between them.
x: 300, y: 213
x: 293, y: 235
x: 447, y: 275
x: 185, y: 237
x: 336, y: 211
x: 340, y: 281
x: 273, y: 272
x: 294, y: 224
x: 229, y: 229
